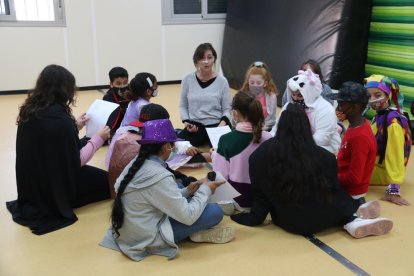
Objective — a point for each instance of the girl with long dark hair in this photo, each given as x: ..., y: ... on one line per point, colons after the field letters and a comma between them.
x: 151, y: 214
x: 296, y: 181
x: 51, y: 172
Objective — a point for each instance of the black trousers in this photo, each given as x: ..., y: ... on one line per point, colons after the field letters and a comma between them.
x: 198, y: 138
x: 93, y: 186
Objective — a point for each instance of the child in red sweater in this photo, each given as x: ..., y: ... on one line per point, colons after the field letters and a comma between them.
x: 356, y: 156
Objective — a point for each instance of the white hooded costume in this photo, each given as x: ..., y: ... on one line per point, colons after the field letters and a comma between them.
x: 321, y: 113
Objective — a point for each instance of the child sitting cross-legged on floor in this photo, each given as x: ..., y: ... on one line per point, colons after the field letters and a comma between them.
x: 296, y: 181
x: 151, y: 214
x: 234, y: 148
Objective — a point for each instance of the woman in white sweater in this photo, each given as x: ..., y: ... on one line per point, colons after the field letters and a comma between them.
x: 205, y: 98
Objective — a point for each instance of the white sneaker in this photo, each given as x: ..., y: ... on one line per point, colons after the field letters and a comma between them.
x: 227, y: 207
x: 360, y: 228
x: 237, y: 207
x: 369, y: 210
x: 216, y: 234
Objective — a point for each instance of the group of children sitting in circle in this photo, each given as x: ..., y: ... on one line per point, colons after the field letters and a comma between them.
x: 295, y: 167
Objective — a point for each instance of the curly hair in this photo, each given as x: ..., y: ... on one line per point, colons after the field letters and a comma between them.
x: 55, y: 85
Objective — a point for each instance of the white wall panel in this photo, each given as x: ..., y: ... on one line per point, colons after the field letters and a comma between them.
x: 99, y: 35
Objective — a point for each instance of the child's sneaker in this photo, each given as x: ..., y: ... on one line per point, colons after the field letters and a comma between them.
x: 369, y: 210
x: 217, y: 234
x: 360, y: 228
x: 227, y: 207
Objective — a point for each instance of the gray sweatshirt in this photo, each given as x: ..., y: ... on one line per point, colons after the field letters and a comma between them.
x: 149, y: 200
x: 204, y: 105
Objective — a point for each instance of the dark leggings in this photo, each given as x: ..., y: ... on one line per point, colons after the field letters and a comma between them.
x: 93, y: 186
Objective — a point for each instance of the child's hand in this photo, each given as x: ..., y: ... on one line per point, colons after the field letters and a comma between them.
x: 191, y: 127
x: 214, y: 184
x: 81, y: 121
x: 222, y: 123
x: 193, y: 187
x: 207, y: 156
x: 105, y: 133
x: 191, y: 151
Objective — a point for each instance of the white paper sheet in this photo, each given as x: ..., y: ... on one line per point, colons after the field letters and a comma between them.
x: 224, y: 192
x: 98, y: 114
x: 178, y: 161
x: 214, y: 133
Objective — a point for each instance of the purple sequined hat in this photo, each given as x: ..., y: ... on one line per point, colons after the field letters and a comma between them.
x: 158, y: 132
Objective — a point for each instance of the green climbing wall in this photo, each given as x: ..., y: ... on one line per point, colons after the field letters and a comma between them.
x: 391, y: 44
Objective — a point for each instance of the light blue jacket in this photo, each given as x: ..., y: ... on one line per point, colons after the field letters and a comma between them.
x: 149, y: 200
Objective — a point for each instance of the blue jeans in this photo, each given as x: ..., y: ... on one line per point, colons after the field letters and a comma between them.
x: 211, y: 216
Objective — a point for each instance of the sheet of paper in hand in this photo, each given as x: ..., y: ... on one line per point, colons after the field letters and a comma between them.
x: 98, y: 114
x: 224, y: 192
x: 178, y: 161
x: 214, y: 134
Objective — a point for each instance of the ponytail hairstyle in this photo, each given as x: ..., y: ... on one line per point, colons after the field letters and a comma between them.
x: 117, y: 215
x: 260, y: 68
x: 139, y: 85
x: 246, y: 104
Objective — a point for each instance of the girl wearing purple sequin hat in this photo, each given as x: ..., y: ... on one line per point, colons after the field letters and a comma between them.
x: 151, y: 214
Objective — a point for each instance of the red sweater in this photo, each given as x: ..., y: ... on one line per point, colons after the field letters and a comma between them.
x: 356, y: 159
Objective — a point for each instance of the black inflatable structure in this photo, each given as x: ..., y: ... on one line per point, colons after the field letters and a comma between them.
x: 285, y: 33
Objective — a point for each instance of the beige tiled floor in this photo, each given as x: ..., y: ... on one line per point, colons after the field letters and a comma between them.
x: 265, y: 250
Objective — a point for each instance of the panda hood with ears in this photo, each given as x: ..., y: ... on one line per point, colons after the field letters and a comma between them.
x: 308, y: 84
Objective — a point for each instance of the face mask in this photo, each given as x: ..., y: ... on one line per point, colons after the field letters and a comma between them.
x: 300, y: 102
x: 255, y: 89
x: 155, y: 93
x: 341, y: 116
x: 120, y: 89
x: 378, y: 103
